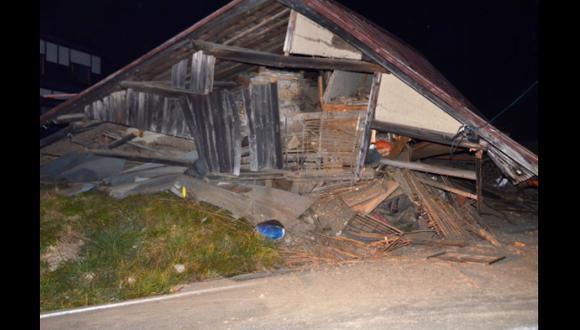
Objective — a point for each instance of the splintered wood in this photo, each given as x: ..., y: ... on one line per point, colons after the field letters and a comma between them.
x: 365, y: 200
x: 370, y: 227
x: 329, y: 250
x: 344, y: 205
x: 461, y: 257
x: 443, y: 216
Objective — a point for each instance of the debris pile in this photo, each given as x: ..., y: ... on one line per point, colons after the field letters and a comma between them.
x: 321, y: 218
x: 343, y: 134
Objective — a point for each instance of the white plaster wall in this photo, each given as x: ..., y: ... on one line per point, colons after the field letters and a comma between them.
x: 400, y: 104
x: 312, y: 39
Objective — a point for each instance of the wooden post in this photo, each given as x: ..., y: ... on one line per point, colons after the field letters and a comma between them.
x: 366, y: 134
x: 479, y: 179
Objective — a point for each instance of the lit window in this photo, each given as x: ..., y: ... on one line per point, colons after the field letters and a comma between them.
x: 96, y: 67
x: 80, y: 57
x: 63, y: 55
x: 51, y: 52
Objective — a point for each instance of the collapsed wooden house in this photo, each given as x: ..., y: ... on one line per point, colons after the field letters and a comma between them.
x: 297, y: 85
x: 193, y: 86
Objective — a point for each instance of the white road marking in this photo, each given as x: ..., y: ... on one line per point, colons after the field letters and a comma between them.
x: 143, y: 301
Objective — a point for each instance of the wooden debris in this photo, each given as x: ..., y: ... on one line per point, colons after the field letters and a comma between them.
x: 244, y: 55
x: 157, y: 88
x: 70, y: 118
x: 437, y: 242
x: 387, y: 245
x: 325, y: 249
x: 449, y: 171
x: 257, y: 204
x: 460, y: 257
x: 442, y: 223
x: 119, y: 142
x: 450, y: 189
x: 365, y: 200
x: 141, y: 158
x: 137, y: 145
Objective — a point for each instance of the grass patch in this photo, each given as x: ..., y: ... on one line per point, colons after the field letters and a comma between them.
x: 131, y: 247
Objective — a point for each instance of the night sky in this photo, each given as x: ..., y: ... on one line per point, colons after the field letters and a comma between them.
x: 487, y: 49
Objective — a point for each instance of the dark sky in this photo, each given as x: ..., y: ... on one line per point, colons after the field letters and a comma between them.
x: 487, y: 48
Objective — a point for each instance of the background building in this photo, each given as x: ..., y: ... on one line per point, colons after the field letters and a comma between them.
x: 65, y: 69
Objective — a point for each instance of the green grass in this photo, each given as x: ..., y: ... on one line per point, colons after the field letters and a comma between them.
x: 132, y: 245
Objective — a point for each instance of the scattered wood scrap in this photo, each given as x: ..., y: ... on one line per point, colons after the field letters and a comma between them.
x: 367, y: 199
x: 461, y: 257
x: 422, y: 167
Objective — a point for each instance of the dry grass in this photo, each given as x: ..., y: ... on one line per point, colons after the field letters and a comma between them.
x: 131, y: 247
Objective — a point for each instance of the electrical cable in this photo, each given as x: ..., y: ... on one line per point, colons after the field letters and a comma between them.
x: 461, y: 132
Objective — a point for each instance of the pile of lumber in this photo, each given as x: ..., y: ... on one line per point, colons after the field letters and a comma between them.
x: 358, y: 212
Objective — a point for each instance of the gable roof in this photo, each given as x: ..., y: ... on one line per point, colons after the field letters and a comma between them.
x: 374, y: 42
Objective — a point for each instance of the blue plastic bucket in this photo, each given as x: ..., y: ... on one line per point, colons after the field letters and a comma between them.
x: 271, y: 229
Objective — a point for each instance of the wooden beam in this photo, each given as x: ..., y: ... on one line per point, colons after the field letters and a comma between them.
x: 421, y: 134
x: 56, y: 136
x: 244, y: 55
x: 137, y: 145
x: 479, y: 180
x: 156, y: 88
x: 141, y: 158
x: 70, y: 118
x: 121, y: 141
x: 437, y: 242
x: 450, y: 189
x: 366, y: 134
x: 449, y: 171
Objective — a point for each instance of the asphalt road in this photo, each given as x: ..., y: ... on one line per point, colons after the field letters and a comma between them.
x: 401, y: 291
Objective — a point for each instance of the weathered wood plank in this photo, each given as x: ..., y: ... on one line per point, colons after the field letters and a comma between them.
x: 450, y: 189
x: 141, y: 158
x: 244, y: 55
x: 157, y: 88
x: 179, y: 74
x: 121, y: 141
x: 264, y: 124
x: 366, y: 135
x: 132, y: 106
x: 449, y: 171
x: 190, y: 119
x: 422, y: 134
x: 202, y: 73
x: 236, y: 136
x: 252, y: 137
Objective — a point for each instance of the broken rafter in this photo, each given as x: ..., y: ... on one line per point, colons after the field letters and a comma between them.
x: 117, y: 137
x: 244, y: 55
x: 449, y: 171
x: 166, y: 90
x: 423, y: 134
x: 140, y: 158
x: 121, y: 141
x: 450, y: 189
x: 157, y: 88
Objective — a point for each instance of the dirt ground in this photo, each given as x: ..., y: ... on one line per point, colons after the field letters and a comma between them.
x: 402, y: 290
